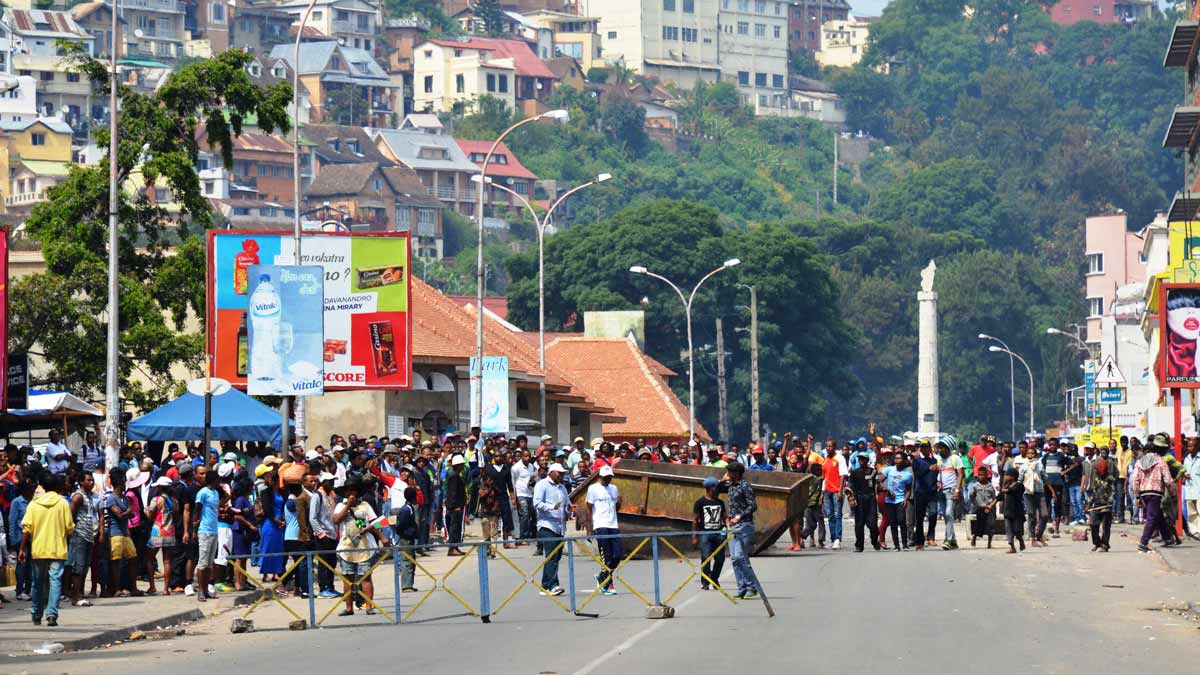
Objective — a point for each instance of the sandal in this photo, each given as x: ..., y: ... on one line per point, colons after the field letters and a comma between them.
x: 346, y: 612
x: 83, y: 603
x: 122, y: 594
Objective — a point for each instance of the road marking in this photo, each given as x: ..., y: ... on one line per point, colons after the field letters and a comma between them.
x: 633, y: 640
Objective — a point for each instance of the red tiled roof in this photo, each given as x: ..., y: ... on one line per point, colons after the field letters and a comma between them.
x: 496, y: 304
x: 527, y: 63
x: 616, y: 374
x: 513, y: 169
x: 658, y: 368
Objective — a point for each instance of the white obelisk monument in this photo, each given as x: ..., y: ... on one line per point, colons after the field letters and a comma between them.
x: 927, y: 356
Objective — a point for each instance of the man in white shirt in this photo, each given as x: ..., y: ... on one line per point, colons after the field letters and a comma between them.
x: 603, y: 503
x: 523, y: 474
x: 58, y: 456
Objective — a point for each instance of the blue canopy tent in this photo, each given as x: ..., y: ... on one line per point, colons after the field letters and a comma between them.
x: 235, y: 417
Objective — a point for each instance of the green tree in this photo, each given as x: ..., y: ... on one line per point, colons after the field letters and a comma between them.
x: 62, y: 313
x: 348, y: 105
x: 492, y: 15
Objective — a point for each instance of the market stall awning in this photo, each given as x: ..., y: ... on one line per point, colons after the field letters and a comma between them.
x: 235, y: 417
x: 1183, y: 41
x: 1183, y: 208
x: 47, y: 409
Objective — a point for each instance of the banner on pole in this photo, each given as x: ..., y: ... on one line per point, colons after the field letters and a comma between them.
x: 286, y: 331
x: 494, y: 392
x: 366, y: 296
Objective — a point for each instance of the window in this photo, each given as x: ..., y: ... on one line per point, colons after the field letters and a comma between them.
x: 1095, y: 263
x: 760, y: 79
x: 521, y: 187
x: 255, y: 69
x: 689, y: 6
x: 47, y: 76
x: 241, y: 211
x: 218, y: 12
x: 491, y: 82
x: 428, y: 84
x: 208, y: 187
x: 72, y: 77
x: 743, y: 28
x: 778, y: 32
x: 425, y: 216
x: 317, y: 15
x: 460, y: 83
x: 428, y: 53
x: 760, y: 6
x: 26, y: 73
x: 378, y: 185
x: 38, y: 139
x: 263, y: 171
x: 612, y: 35
x: 342, y: 15
x: 777, y: 81
x: 668, y: 5
x: 760, y: 30
x: 367, y: 45
x: 690, y: 34
x: 503, y: 81
x: 202, y: 164
x: 364, y: 22
x: 403, y: 219
x: 743, y: 78
x: 1095, y: 307
x: 1097, y: 10
x: 778, y: 8
x: 670, y: 32
x: 162, y: 195
x: 279, y: 72
x: 743, y: 5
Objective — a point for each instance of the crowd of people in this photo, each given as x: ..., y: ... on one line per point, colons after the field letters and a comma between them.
x: 180, y: 520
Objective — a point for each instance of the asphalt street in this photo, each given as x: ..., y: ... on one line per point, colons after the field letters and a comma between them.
x: 1056, y: 610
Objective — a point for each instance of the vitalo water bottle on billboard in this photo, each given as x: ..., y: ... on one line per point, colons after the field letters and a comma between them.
x: 266, y: 367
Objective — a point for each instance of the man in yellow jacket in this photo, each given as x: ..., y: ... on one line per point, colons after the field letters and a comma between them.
x: 44, y: 532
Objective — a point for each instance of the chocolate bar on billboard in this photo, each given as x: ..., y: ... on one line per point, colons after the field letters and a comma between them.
x: 384, y: 275
x: 383, y: 348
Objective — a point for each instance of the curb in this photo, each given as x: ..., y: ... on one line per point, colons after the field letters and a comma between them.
x: 112, y: 635
x: 115, y: 634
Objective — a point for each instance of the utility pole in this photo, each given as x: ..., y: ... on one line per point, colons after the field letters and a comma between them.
x: 722, y: 397
x: 835, y: 167
x: 111, y: 430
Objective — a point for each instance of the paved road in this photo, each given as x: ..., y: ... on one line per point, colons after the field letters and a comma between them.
x: 1048, y: 611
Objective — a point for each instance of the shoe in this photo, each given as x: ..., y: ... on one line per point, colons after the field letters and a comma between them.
x: 837, y: 544
x: 83, y: 603
x: 346, y: 612
x: 328, y: 594
x: 750, y: 595
x: 52, y: 621
x: 704, y: 586
x: 454, y: 553
x: 224, y: 587
x: 409, y: 589
x: 598, y: 584
x: 608, y: 591
x: 1095, y: 548
x: 1143, y: 548
x: 858, y: 549
x: 946, y: 546
x: 190, y: 589
x: 25, y: 597
x: 557, y: 590
x: 37, y: 620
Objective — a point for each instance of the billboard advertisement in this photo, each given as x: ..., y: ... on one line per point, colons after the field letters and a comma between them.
x: 366, y: 297
x: 1179, y: 314
x: 285, y: 337
x: 16, y: 383
x: 495, y: 393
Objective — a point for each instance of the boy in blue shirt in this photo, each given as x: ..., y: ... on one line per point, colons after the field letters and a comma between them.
x: 16, y: 515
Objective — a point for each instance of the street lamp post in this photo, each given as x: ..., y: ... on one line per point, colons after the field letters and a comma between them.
x: 1075, y: 338
x: 687, y: 308
x: 112, y: 391
x: 1012, y: 384
x: 753, y: 363
x: 541, y: 224
x: 301, y: 408
x: 994, y: 348
x: 477, y: 372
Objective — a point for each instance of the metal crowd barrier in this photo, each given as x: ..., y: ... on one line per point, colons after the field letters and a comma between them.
x: 654, y: 547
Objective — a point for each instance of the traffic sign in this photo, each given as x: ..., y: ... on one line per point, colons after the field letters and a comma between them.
x: 1112, y: 396
x: 1109, y: 374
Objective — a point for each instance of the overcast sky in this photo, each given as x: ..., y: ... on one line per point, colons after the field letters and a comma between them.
x: 867, y: 7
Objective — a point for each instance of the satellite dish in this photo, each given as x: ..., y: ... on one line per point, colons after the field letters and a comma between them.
x: 219, y: 386
x: 137, y: 32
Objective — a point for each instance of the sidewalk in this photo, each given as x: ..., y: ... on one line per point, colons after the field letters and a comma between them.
x: 108, y: 620
x: 1183, y: 559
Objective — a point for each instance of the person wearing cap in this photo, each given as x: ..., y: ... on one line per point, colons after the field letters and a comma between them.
x: 162, y: 508
x: 1151, y: 476
x: 760, y: 462
x: 456, y: 503
x: 603, y: 503
x: 708, y: 518
x: 950, y: 484
x: 356, y: 546
x: 576, y: 452
x: 553, y: 505
x: 324, y: 533
x: 742, y: 506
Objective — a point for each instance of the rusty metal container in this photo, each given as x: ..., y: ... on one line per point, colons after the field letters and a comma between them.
x: 658, y: 497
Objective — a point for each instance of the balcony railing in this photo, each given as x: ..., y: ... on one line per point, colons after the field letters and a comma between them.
x: 160, y: 5
x: 352, y: 27
x: 26, y: 198
x: 445, y: 192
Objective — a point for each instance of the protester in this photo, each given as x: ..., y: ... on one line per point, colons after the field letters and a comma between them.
x: 709, y: 518
x: 1150, y: 480
x: 603, y: 503
x: 551, y: 500
x: 1100, y: 504
x: 44, y: 531
x: 742, y: 506
x: 983, y: 505
x: 86, y: 511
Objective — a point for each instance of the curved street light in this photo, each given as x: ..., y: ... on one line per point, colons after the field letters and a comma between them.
x: 1075, y: 338
x: 994, y: 348
x: 541, y: 223
x: 1012, y: 384
x: 687, y: 308
x: 477, y: 372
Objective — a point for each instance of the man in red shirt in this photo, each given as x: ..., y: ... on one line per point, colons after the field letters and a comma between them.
x: 832, y: 472
x: 981, y: 451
